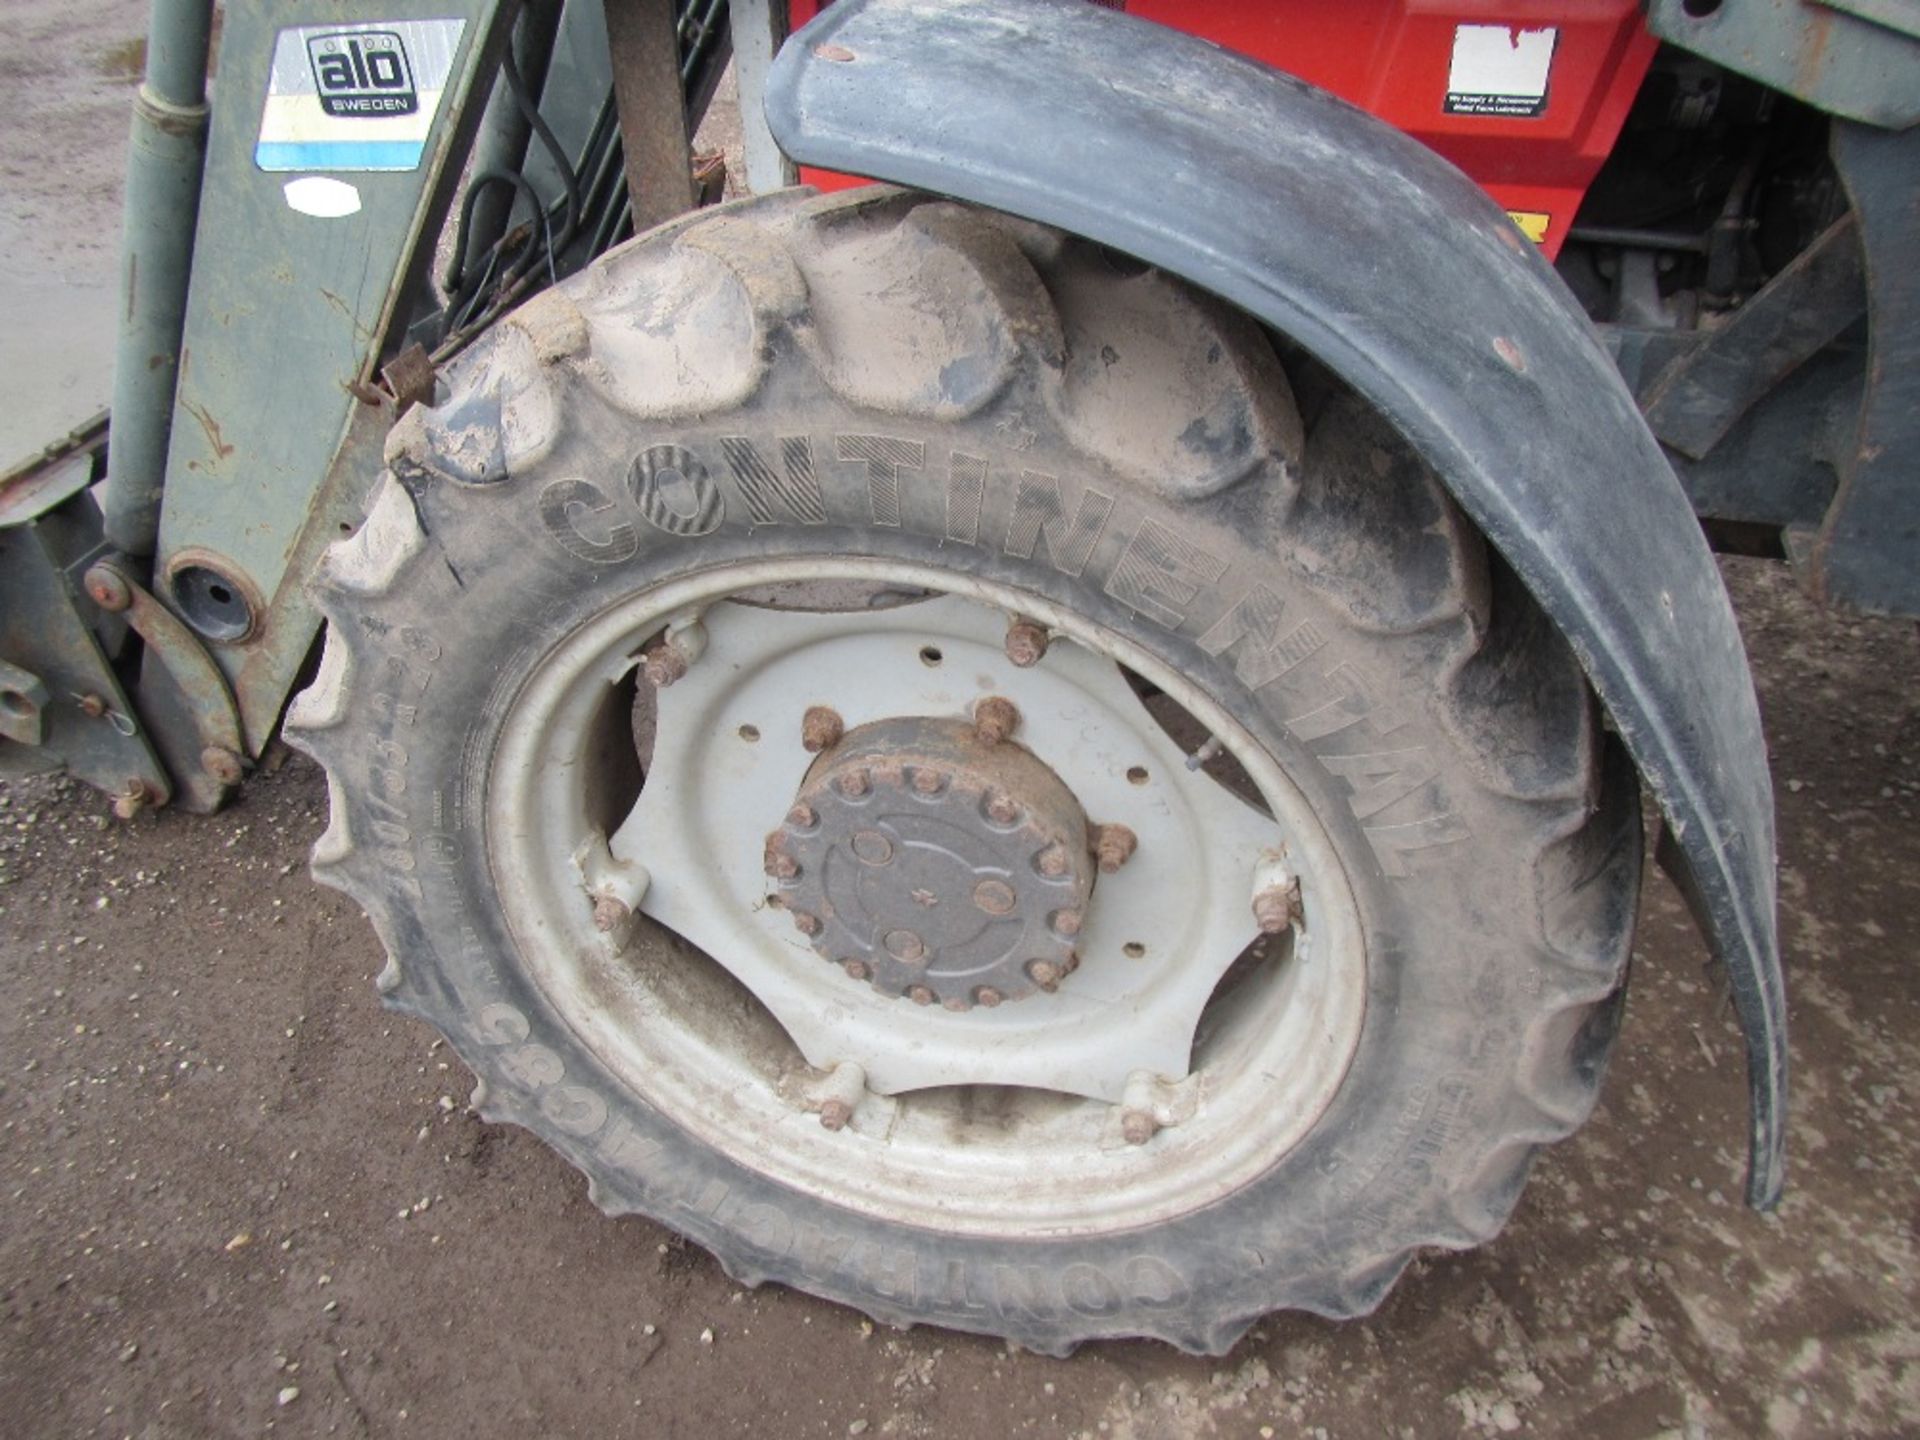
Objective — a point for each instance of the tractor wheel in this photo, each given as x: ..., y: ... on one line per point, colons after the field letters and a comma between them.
x: 969, y: 779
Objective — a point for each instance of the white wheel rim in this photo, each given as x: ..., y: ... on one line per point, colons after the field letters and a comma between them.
x: 945, y: 1142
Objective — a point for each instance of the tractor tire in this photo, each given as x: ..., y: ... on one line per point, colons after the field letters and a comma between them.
x: 966, y: 422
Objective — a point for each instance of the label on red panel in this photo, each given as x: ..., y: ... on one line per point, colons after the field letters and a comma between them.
x: 1500, y: 70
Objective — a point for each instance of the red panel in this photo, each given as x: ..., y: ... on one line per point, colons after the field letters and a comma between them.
x: 1396, y: 57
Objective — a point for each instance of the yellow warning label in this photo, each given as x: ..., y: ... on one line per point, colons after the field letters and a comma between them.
x: 1532, y: 223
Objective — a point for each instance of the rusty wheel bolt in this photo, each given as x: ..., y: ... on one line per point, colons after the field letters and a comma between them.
x: 994, y: 719
x: 1051, y: 861
x: 1044, y: 973
x: 856, y: 969
x: 222, y: 764
x: 1137, y: 1127
x: 1001, y: 810
x: 1113, y: 846
x: 834, y: 1114
x: 959, y: 1004
x: 854, y: 783
x: 663, y: 664
x: 1276, y: 908
x: 929, y: 782
x: 779, y: 864
x: 988, y: 996
x: 820, y: 729
x: 801, y: 817
x: 1066, y: 922
x: 609, y: 914
x: 920, y: 995
x: 805, y: 923
x: 1026, y: 643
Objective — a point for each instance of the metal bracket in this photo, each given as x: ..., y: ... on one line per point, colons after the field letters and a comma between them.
x: 183, y: 696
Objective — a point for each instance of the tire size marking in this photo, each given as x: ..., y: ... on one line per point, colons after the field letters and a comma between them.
x: 1141, y: 560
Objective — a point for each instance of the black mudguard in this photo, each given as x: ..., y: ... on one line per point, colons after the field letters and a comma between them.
x: 1403, y: 276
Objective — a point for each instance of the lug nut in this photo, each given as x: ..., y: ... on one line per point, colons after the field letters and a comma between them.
x: 802, y: 817
x: 920, y: 995
x: 994, y: 719
x: 1044, y: 973
x: 856, y: 969
x: 834, y: 1114
x: 820, y: 729
x: 806, y: 923
x: 1051, y: 862
x: 1066, y: 922
x: 1000, y: 808
x: 663, y: 664
x: 609, y: 914
x: 855, y: 783
x: 959, y: 1004
x: 1137, y: 1127
x: 1026, y: 643
x: 928, y: 782
x: 1277, y: 907
x: 1113, y: 846
x: 778, y: 863
x: 988, y: 996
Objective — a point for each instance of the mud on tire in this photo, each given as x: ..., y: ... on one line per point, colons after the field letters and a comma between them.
x: 891, y: 376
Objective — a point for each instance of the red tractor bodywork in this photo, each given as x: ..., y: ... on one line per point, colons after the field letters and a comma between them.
x: 1526, y: 96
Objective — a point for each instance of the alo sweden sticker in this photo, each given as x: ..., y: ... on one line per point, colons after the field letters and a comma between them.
x: 1499, y: 70
x: 355, y: 97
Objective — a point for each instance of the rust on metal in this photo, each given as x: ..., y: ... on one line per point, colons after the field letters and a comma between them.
x: 995, y: 719
x: 1113, y: 846
x: 1026, y: 643
x: 820, y: 729
x: 1277, y: 908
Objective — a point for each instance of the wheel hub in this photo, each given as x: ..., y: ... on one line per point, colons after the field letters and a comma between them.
x: 937, y: 861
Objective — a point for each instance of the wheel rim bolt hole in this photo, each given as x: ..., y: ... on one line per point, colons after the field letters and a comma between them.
x: 750, y: 733
x: 1133, y: 950
x: 1137, y: 775
x: 930, y: 655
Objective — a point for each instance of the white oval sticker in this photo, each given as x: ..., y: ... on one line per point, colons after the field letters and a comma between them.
x: 322, y: 195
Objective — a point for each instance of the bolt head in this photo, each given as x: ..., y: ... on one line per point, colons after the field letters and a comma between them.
x: 802, y: 817
x: 920, y: 995
x: 108, y: 588
x: 1044, y: 973
x: 222, y: 764
x: 994, y: 719
x: 1052, y: 862
x: 663, y: 664
x: 93, y: 706
x: 834, y: 1114
x: 1137, y: 1127
x: 805, y: 923
x: 1067, y: 922
x: 820, y: 729
x: 855, y: 783
x: 905, y: 946
x: 609, y: 914
x: 1113, y: 846
x: 132, y: 800
x: 871, y: 847
x: 996, y: 897
x: 928, y: 782
x: 988, y: 996
x: 1276, y: 908
x: 1026, y: 643
x: 856, y: 969
x: 779, y: 864
x: 1001, y: 810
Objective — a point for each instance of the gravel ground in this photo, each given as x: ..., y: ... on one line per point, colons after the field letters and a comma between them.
x: 238, y: 1196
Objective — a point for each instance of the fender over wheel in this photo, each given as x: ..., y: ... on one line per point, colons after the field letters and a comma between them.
x: 970, y: 779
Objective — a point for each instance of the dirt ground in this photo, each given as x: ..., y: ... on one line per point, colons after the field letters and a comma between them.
x: 236, y: 1196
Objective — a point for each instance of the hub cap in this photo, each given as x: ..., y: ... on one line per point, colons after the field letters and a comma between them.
x: 939, y: 866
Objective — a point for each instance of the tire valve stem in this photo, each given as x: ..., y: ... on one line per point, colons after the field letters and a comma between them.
x: 839, y: 1095
x: 1205, y: 753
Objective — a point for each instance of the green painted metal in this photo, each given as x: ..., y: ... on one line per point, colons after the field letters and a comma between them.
x: 286, y: 317
x: 164, y: 157
x: 1855, y: 58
